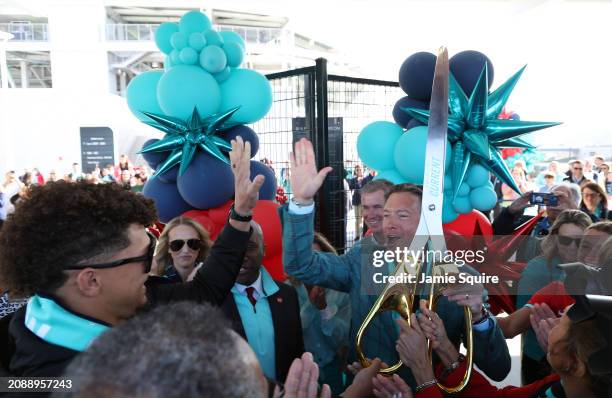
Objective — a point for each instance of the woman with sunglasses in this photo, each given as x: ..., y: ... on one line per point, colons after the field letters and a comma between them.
x: 595, y: 202
x: 182, y: 246
x: 560, y: 246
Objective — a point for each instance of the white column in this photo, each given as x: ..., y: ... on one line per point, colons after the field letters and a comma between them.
x: 23, y: 67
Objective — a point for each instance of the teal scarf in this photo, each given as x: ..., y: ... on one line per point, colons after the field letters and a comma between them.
x: 54, y: 324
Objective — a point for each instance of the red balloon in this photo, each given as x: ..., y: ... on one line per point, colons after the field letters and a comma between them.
x: 470, y: 224
x: 266, y: 215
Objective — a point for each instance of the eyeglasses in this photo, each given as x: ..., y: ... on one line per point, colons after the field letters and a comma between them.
x: 147, y: 259
x: 590, y: 194
x: 566, y: 240
x: 193, y: 244
x: 577, y: 168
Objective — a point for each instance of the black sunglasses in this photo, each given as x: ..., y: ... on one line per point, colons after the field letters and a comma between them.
x: 193, y: 244
x: 566, y: 240
x: 147, y: 259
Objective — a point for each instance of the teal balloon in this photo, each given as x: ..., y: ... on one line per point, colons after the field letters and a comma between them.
x: 188, y: 56
x: 187, y: 86
x: 448, y: 183
x: 142, y: 94
x: 409, y: 154
x: 448, y: 212
x: 477, y: 176
x: 163, y: 33
x: 197, y: 41
x: 391, y: 176
x: 376, y: 142
x: 462, y: 204
x: 233, y: 37
x: 234, y: 54
x: 483, y: 198
x: 168, y: 62
x: 178, y: 40
x: 249, y: 90
x: 213, y: 38
x: 223, y: 75
x: 194, y: 21
x: 175, y: 58
x: 464, y: 189
x: 212, y: 58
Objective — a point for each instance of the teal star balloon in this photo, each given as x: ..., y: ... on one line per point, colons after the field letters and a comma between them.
x: 184, y: 138
x: 475, y: 132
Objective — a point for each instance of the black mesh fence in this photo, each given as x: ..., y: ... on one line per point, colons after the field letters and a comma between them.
x: 330, y: 110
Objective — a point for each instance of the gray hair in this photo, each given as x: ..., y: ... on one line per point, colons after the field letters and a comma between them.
x: 177, y: 350
x: 574, y: 190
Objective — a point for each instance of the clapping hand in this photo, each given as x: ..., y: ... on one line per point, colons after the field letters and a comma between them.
x: 302, y: 379
x: 543, y: 320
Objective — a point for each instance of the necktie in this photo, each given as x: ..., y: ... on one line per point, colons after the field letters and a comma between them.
x: 249, y: 291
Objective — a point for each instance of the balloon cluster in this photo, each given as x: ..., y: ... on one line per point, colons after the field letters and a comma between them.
x: 399, y: 157
x: 202, y: 100
x: 475, y: 135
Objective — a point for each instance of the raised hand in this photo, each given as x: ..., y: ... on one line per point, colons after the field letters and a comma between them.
x: 520, y: 204
x: 301, y: 380
x: 246, y: 191
x: 305, y: 180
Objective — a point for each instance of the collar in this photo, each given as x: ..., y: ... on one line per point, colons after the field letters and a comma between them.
x: 53, y: 323
x: 264, y: 285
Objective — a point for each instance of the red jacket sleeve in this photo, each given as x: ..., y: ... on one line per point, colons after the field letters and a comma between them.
x: 479, y: 386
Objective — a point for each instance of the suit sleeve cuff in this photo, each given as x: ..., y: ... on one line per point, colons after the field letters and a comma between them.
x: 295, y: 209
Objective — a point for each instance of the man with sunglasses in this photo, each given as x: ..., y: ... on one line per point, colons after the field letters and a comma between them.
x: 82, y: 253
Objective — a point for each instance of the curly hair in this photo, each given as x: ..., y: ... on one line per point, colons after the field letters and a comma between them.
x: 163, y: 258
x: 61, y: 224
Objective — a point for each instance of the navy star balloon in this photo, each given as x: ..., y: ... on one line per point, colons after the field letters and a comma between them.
x: 475, y: 132
x: 184, y: 138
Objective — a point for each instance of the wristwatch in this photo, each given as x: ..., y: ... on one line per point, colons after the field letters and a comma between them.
x: 233, y: 215
x: 485, y: 316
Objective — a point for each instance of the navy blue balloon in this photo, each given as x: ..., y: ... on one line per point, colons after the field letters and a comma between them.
x: 401, y: 117
x: 413, y: 123
x: 515, y: 116
x: 168, y: 200
x: 416, y: 75
x: 466, y: 66
x: 268, y: 189
x: 207, y: 182
x: 153, y: 159
x: 169, y: 176
x: 246, y: 133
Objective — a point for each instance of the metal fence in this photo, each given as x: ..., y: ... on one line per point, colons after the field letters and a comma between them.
x: 329, y: 110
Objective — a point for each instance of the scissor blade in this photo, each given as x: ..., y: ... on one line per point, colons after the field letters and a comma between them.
x: 435, y: 152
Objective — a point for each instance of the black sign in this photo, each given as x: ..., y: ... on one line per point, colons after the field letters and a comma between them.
x: 97, y: 148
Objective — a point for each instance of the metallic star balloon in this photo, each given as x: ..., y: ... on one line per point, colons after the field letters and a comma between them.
x: 184, y: 138
x: 475, y: 132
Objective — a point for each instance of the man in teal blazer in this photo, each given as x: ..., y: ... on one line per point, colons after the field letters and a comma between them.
x: 354, y: 272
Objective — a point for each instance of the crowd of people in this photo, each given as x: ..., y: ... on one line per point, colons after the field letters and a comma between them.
x: 91, y: 295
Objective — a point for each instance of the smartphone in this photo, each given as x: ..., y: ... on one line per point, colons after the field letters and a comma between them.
x: 544, y: 199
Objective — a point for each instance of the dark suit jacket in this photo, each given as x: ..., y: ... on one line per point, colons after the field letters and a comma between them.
x: 288, y: 340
